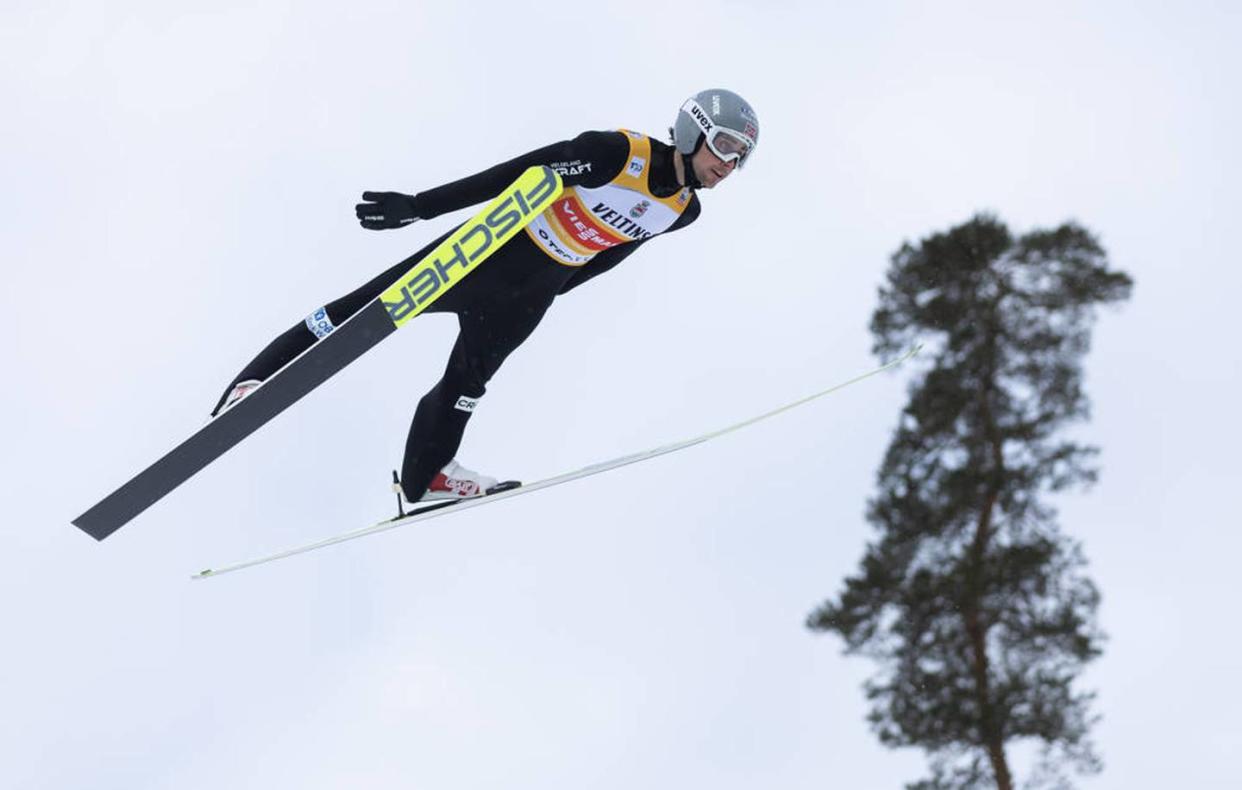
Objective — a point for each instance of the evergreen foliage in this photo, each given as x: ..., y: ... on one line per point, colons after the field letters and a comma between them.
x: 973, y: 602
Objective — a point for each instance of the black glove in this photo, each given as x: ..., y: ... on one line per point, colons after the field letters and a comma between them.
x: 386, y: 210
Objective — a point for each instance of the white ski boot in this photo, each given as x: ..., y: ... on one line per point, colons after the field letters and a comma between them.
x: 235, y: 396
x: 455, y: 481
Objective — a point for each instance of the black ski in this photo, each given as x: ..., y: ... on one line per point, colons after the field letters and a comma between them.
x: 313, y: 367
x: 452, y: 260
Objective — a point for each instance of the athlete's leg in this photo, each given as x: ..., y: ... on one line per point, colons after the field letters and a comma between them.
x: 491, y: 328
x: 485, y: 340
x: 301, y: 336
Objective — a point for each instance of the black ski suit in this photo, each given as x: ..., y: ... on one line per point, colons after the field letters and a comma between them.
x: 499, y: 304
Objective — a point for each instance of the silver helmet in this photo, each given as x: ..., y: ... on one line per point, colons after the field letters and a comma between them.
x: 722, y: 118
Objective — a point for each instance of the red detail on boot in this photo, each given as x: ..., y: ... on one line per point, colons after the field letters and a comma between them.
x: 453, y: 486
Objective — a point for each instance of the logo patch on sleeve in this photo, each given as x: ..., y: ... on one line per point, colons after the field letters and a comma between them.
x: 466, y: 404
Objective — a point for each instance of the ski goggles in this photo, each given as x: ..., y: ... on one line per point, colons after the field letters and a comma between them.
x: 727, y: 144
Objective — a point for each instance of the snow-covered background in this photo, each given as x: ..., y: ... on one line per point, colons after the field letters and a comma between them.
x: 179, y: 181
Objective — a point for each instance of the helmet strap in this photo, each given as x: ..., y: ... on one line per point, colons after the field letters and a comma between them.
x: 687, y: 165
x: 692, y: 180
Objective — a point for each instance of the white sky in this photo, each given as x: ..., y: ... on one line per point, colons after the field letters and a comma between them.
x: 179, y: 182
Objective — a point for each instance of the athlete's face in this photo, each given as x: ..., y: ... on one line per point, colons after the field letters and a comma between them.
x: 709, y: 168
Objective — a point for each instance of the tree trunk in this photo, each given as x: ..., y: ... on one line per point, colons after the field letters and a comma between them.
x: 990, y: 735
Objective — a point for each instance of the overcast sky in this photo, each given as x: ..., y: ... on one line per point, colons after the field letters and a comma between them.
x: 179, y: 187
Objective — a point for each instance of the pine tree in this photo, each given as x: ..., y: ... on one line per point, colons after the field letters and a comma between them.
x: 974, y: 603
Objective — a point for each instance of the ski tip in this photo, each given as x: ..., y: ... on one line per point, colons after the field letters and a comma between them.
x: 203, y: 574
x: 909, y: 354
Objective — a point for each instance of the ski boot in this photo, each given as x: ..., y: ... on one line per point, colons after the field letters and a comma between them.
x: 451, y: 484
x: 240, y: 390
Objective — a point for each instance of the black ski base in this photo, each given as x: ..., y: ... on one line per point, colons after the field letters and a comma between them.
x: 319, y: 363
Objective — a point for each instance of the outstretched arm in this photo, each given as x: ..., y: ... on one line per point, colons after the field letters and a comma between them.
x: 591, y: 159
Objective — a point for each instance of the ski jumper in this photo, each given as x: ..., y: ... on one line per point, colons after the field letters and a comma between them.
x: 621, y: 189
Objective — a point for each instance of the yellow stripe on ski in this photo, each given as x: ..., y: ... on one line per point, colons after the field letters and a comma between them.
x: 472, y: 243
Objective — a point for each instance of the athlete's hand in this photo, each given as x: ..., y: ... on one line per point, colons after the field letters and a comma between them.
x: 386, y: 210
